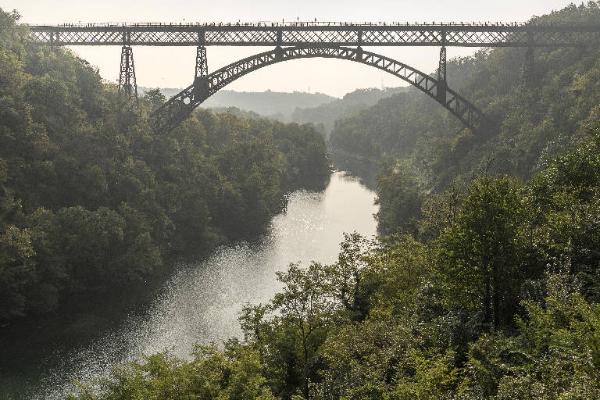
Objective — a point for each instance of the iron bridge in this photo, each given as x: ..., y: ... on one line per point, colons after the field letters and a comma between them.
x: 309, y: 40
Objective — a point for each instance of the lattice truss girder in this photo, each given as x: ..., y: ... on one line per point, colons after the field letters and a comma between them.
x: 181, y: 105
x: 350, y: 35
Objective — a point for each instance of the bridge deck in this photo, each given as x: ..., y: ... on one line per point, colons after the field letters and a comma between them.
x: 315, y: 34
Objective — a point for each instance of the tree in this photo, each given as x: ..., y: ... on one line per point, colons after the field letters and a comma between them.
x: 234, y: 374
x: 480, y: 255
x: 16, y: 271
x: 400, y: 196
x: 155, y: 98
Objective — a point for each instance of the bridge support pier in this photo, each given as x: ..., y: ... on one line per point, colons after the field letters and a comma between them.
x: 127, y: 81
x: 529, y: 67
x: 442, y: 83
x: 529, y: 64
x: 201, y: 75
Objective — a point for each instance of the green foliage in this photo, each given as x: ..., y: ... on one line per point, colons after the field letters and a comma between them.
x: 234, y: 374
x: 555, y: 356
x: 400, y: 198
x: 480, y: 254
x: 566, y: 200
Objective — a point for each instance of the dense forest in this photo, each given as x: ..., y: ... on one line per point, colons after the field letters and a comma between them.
x: 93, y: 199
x: 485, y: 281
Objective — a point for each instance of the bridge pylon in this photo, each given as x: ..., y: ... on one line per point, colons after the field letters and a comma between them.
x: 528, y: 73
x: 201, y: 75
x: 442, y: 88
x: 127, y: 81
x: 529, y: 67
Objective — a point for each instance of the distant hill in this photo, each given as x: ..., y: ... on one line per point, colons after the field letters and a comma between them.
x: 279, y: 105
x: 271, y: 104
x: 318, y: 109
x: 326, y: 114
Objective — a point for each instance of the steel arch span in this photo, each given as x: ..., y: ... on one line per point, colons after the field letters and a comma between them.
x: 180, y: 106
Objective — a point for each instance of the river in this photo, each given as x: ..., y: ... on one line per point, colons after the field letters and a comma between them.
x: 201, y: 303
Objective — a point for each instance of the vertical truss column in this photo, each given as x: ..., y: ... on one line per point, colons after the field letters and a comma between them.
x: 359, y: 50
x: 278, y: 49
x: 442, y: 83
x: 201, y: 75
x: 529, y: 63
x: 127, y: 82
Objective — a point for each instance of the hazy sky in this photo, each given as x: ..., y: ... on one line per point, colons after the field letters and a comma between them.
x: 174, y: 67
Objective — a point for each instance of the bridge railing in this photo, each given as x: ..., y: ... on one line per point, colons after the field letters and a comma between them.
x: 284, y: 24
